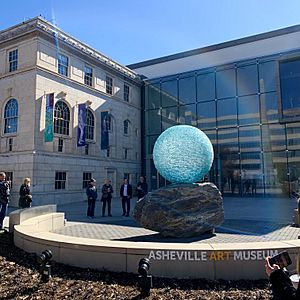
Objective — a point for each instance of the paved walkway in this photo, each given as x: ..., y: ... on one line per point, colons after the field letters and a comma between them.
x: 246, y: 220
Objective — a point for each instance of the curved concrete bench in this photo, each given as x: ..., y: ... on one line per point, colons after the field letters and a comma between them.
x: 229, y: 261
x: 20, y: 215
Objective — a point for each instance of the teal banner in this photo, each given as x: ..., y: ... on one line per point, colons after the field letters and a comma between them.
x: 48, y: 134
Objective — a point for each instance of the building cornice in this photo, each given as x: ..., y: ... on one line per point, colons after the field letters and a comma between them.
x: 39, y: 23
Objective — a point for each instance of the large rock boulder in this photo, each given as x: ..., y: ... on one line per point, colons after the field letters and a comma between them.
x: 181, y: 210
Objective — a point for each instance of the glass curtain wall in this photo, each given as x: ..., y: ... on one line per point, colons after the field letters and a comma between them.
x: 239, y: 107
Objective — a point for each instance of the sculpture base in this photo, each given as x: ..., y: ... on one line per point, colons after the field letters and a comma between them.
x: 181, y: 210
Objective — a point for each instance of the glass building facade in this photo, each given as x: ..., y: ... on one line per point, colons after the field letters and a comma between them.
x: 250, y: 110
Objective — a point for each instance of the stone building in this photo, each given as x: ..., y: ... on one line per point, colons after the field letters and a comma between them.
x: 38, y: 59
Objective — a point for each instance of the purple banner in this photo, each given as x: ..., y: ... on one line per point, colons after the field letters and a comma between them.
x: 104, y: 130
x: 81, y: 125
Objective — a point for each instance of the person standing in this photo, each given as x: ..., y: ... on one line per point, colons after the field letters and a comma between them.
x: 4, y: 197
x: 126, y: 194
x: 92, y: 195
x: 107, y: 191
x: 25, y: 199
x: 142, y: 187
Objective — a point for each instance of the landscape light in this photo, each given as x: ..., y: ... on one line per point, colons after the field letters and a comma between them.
x: 145, y: 280
x: 45, y: 264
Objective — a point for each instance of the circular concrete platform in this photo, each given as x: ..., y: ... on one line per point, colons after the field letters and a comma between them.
x: 236, y: 251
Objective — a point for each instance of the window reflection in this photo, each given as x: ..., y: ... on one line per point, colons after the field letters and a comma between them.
x: 228, y: 140
x: 251, y: 173
x: 206, y: 87
x: 250, y: 139
x: 206, y: 113
x: 273, y: 137
x: 247, y: 80
x: 169, y: 93
x: 294, y: 170
x: 229, y: 170
x: 289, y: 83
x: 226, y: 113
x: 152, y: 96
x: 187, y: 90
x: 153, y: 121
x: 293, y: 136
x: 187, y: 115
x: 269, y: 108
x: 275, y: 173
x: 267, y: 72
x: 226, y: 86
x: 248, y: 110
x: 169, y: 117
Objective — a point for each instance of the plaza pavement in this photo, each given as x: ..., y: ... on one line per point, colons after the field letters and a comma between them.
x: 246, y: 220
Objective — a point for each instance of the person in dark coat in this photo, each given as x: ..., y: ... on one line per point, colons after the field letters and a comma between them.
x: 142, y: 187
x: 92, y: 195
x: 126, y: 195
x: 25, y: 198
x: 4, y: 197
x: 281, y: 284
x: 107, y: 191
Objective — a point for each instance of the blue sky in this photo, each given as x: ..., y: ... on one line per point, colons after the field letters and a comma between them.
x: 131, y: 31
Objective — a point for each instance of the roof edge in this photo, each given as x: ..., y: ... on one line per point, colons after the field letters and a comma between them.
x: 240, y: 41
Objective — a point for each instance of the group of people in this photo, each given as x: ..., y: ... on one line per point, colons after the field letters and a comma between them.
x: 126, y: 193
x: 25, y: 198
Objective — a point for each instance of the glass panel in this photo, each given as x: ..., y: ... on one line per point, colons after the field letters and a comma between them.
x: 206, y: 87
x: 294, y: 170
x: 152, y: 96
x: 289, y: 84
x: 153, y: 174
x: 293, y: 136
x: 275, y: 170
x: 169, y: 93
x: 150, y: 141
x: 267, y: 76
x: 206, y: 113
x: 187, y: 90
x: 247, y: 80
x: 269, y: 108
x: 229, y: 170
x: 187, y: 115
x: 273, y: 137
x: 227, y: 113
x: 252, y: 173
x: 152, y: 122
x: 248, y: 110
x: 228, y: 140
x: 169, y: 117
x: 226, y: 86
x: 250, y: 140
x: 212, y: 135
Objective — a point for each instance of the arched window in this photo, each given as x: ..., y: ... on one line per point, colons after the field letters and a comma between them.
x: 11, y: 116
x: 61, y: 118
x: 126, y: 126
x: 90, y: 125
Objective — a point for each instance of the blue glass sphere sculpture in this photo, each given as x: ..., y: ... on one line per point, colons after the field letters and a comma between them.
x: 183, y: 154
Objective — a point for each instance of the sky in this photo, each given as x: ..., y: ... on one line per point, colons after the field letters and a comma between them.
x: 131, y: 31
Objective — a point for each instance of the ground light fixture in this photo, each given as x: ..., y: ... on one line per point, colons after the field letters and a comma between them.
x: 44, y: 261
x: 145, y: 280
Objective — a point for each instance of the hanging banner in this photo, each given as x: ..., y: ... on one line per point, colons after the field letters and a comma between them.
x: 48, y: 133
x: 104, y: 130
x: 81, y: 125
